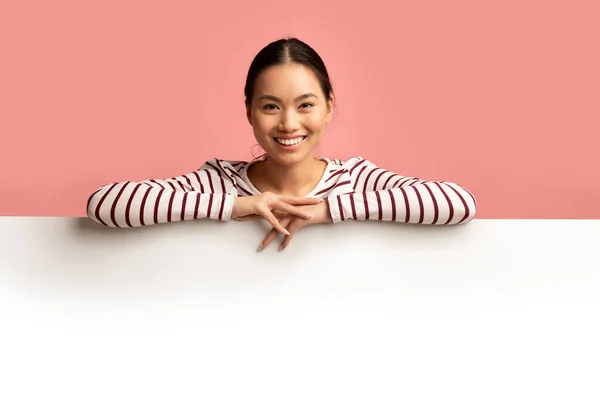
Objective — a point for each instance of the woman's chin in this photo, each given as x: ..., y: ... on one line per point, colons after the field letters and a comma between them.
x: 288, y: 158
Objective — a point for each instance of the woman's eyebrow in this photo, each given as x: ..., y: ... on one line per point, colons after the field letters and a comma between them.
x: 273, y: 98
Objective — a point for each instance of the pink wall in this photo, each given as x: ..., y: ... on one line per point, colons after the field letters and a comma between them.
x: 503, y: 99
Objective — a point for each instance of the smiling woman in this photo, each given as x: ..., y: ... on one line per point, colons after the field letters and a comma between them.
x: 289, y: 102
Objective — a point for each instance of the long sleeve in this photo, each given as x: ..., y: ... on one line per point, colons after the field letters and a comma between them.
x: 204, y: 193
x: 382, y: 195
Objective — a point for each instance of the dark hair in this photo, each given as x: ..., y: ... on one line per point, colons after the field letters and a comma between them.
x: 285, y: 51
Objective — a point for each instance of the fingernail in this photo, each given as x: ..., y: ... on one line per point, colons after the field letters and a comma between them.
x: 280, y: 248
x: 262, y: 246
x: 286, y: 232
x: 307, y: 215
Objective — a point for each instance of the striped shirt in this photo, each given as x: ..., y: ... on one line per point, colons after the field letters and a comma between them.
x: 354, y: 189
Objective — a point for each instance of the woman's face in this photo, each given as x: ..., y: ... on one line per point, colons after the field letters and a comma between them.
x: 289, y: 112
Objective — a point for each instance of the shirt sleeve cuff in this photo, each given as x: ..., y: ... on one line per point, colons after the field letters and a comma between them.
x: 334, y: 209
x: 227, y: 207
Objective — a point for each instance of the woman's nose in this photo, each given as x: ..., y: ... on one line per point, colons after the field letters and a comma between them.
x: 289, y: 122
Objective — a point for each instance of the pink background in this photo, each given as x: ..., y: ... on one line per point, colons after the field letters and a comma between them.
x: 502, y: 99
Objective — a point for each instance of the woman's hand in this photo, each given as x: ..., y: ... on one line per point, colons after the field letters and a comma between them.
x: 266, y: 203
x: 292, y: 223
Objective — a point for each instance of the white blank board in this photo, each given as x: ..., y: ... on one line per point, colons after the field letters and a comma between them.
x: 494, y: 309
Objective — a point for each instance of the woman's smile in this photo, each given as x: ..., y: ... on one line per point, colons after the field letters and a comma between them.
x: 289, y: 143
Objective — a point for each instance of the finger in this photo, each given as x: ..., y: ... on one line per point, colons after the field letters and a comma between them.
x: 279, y: 214
x: 280, y: 206
x: 298, y: 200
x: 292, y: 228
x: 272, y: 235
x: 273, y: 221
x: 249, y: 217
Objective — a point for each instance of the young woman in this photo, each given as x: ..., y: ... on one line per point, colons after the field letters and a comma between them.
x: 289, y: 101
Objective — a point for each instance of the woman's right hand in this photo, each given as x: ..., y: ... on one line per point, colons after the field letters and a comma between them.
x: 266, y: 203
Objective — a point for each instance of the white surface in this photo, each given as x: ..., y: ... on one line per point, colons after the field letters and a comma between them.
x: 496, y: 309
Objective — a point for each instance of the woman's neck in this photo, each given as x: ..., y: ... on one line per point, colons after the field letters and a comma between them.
x: 295, y: 180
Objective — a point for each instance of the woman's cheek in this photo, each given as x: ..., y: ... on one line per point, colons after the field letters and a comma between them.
x: 316, y: 122
x: 263, y: 127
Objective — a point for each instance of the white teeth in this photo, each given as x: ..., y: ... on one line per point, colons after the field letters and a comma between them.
x: 290, y: 142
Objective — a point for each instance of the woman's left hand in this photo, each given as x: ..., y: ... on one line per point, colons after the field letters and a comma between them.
x: 320, y: 215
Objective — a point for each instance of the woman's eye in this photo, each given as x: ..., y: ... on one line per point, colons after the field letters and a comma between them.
x: 275, y: 107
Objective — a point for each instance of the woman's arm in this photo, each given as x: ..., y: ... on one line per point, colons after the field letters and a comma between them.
x: 200, y: 194
x: 383, y: 195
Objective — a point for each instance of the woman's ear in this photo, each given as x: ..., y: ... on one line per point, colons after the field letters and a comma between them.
x: 330, y: 106
x: 249, y: 114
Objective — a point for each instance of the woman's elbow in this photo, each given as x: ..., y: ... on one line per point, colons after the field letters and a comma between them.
x: 469, y: 213
x: 93, y: 203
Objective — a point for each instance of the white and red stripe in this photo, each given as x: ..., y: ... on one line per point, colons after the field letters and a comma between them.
x: 355, y: 189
